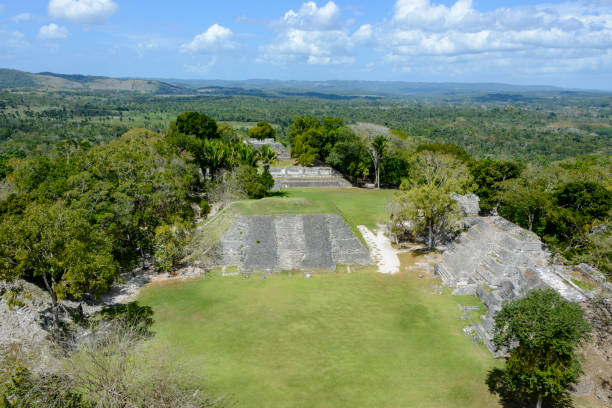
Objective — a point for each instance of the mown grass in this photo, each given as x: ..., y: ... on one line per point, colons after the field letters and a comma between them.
x: 356, y: 206
x: 336, y: 340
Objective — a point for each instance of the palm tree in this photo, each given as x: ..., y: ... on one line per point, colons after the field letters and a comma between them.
x: 267, y: 155
x: 244, y: 154
x: 215, y: 155
x: 378, y: 145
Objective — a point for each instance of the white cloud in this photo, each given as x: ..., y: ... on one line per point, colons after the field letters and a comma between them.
x: 83, y: 11
x: 216, y: 38
x: 21, y: 18
x: 423, y: 35
x: 312, y: 35
x: 2, y: 6
x: 310, y: 17
x: 52, y: 32
x: 13, y: 39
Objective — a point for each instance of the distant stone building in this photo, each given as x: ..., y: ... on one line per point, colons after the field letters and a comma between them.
x: 281, y: 151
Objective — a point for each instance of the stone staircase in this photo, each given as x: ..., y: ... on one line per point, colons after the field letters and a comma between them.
x: 291, y: 242
x: 307, y: 177
x: 498, y: 261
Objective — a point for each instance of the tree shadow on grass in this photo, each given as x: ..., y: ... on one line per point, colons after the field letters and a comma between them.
x: 278, y: 193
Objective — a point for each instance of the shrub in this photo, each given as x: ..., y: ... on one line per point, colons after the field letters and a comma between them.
x: 169, y: 244
x: 204, y: 208
x: 254, y: 184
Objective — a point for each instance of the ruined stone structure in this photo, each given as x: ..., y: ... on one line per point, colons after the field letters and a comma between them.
x: 301, y: 177
x: 288, y: 242
x: 499, y: 261
x: 469, y: 204
x: 281, y: 151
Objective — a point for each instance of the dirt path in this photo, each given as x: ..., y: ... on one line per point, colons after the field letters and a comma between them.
x: 381, y: 250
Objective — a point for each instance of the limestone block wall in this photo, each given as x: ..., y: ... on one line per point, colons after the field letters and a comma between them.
x: 300, y: 177
x: 291, y: 242
x: 499, y: 261
x: 283, y: 153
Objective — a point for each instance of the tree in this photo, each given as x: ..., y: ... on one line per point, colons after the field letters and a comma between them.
x: 524, y: 200
x: 541, y: 332
x: 57, y: 244
x: 197, y: 124
x: 253, y: 183
x: 169, y: 244
x: 377, y: 150
x: 215, y: 155
x: 424, y: 199
x: 587, y: 199
x: 263, y: 130
x: 243, y: 154
x: 445, y: 148
x: 488, y: 173
x: 267, y: 155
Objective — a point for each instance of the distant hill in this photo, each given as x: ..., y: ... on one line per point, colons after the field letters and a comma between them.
x: 333, y: 90
x: 18, y: 79
x: 365, y: 88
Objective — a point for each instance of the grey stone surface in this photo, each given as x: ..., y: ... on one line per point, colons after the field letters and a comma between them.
x: 318, y: 252
x: 307, y: 177
x: 281, y: 151
x: 499, y: 261
x: 291, y: 241
x: 468, y: 204
x: 260, y: 243
x: 286, y: 242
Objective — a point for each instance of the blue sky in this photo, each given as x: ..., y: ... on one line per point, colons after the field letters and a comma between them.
x: 564, y: 43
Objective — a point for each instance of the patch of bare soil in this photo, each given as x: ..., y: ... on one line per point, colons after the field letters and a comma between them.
x: 595, y: 386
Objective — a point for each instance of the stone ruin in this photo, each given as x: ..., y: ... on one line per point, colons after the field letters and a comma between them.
x: 291, y: 242
x: 499, y: 261
x: 281, y: 151
x: 306, y: 177
x: 468, y: 204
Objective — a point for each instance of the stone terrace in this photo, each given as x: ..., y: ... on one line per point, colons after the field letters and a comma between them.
x: 306, y: 177
x: 291, y: 242
x: 499, y: 261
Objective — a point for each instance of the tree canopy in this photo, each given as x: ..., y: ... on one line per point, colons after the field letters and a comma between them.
x: 197, y: 124
x: 424, y: 201
x: 263, y: 130
x: 541, y: 332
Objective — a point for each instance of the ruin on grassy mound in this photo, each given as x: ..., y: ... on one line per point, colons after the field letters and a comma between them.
x: 291, y: 242
x: 499, y: 261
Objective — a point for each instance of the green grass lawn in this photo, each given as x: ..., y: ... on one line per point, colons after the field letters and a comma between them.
x: 356, y: 206
x: 336, y: 340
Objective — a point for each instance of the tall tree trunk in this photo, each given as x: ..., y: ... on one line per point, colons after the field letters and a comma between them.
x: 539, y: 403
x: 51, y: 290
x: 429, y: 234
x: 377, y: 175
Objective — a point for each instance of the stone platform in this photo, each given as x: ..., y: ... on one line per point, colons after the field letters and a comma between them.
x: 291, y: 242
x: 307, y: 177
x: 499, y: 261
x: 281, y: 151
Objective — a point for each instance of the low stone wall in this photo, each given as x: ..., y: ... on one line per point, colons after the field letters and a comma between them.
x: 291, y: 242
x: 307, y: 177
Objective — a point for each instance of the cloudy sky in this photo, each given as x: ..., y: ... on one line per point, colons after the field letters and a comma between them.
x: 564, y: 43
